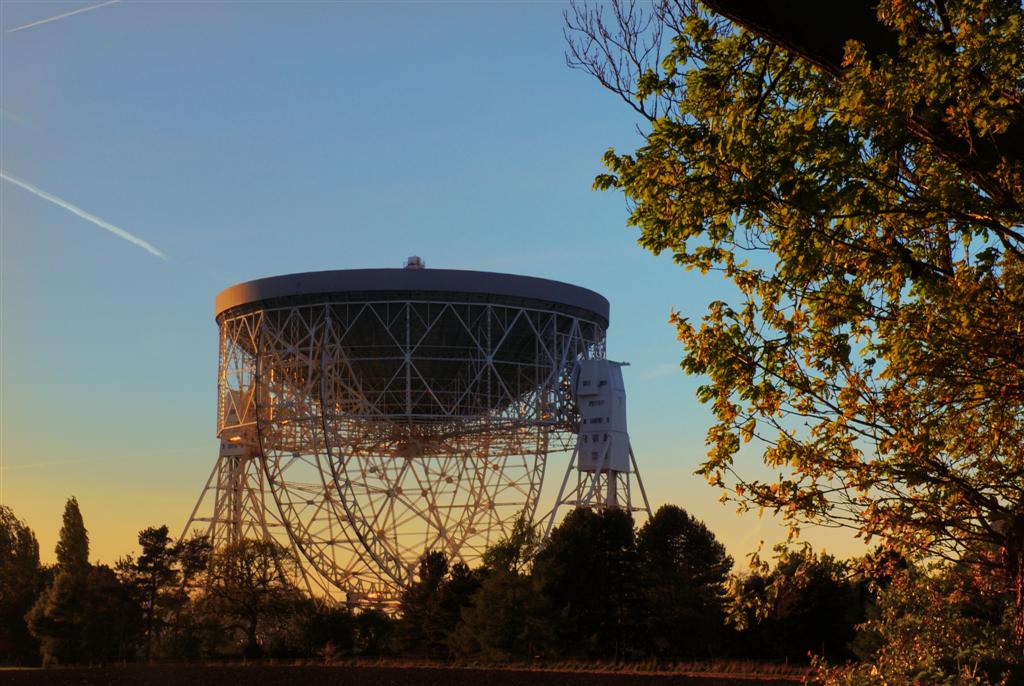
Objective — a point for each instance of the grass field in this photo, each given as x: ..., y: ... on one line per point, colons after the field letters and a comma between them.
x: 262, y: 675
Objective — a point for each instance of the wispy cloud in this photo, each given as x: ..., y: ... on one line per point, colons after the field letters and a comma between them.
x: 62, y: 16
x: 41, y: 465
x: 13, y: 117
x: 662, y: 370
x: 103, y: 224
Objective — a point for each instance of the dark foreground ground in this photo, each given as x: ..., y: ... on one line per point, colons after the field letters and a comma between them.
x: 170, y: 675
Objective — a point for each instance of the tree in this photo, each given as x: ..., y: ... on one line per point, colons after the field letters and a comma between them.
x: 249, y: 589
x: 326, y: 625
x: 507, y: 618
x: 159, y: 579
x: 684, y: 572
x: 111, y: 619
x: 587, y: 573
x: 514, y: 553
x: 154, y: 578
x: 935, y: 625
x: 73, y: 544
x: 374, y: 631
x: 194, y: 635
x: 85, y: 617
x: 56, y: 620
x: 419, y: 603
x: 861, y: 183
x: 430, y: 607
x: 193, y: 556
x: 20, y: 584
x: 809, y: 603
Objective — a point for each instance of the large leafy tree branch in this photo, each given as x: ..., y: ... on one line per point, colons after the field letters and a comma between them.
x: 857, y: 170
x: 819, y: 33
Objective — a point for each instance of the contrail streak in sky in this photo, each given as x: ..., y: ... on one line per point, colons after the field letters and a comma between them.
x: 83, y: 214
x: 62, y: 16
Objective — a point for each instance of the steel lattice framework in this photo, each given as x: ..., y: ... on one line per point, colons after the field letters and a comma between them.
x: 367, y: 416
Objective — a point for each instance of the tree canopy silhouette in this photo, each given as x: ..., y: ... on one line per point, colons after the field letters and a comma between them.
x: 684, y: 572
x: 431, y: 606
x: 21, y: 580
x: 73, y: 545
x: 249, y: 587
x: 587, y: 572
x: 507, y: 618
x: 160, y: 578
x: 807, y: 603
x: 85, y: 615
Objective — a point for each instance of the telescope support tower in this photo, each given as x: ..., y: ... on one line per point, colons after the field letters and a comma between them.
x: 603, y: 458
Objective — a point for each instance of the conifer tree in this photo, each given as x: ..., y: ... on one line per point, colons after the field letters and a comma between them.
x: 73, y: 545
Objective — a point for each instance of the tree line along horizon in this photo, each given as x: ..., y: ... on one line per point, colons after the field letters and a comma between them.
x: 598, y: 588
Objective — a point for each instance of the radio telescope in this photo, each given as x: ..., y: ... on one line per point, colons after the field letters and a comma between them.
x: 368, y: 415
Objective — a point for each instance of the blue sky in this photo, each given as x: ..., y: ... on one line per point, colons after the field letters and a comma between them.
x: 250, y: 139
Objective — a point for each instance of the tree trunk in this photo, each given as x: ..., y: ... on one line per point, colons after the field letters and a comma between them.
x: 150, y: 614
x: 252, y: 646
